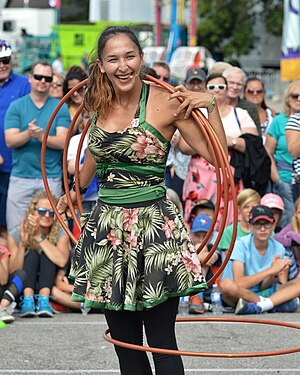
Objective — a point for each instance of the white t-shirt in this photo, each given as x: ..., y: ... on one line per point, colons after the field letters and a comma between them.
x: 231, y: 125
x: 72, y: 152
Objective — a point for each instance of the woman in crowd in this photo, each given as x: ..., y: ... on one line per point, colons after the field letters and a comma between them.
x: 74, y: 76
x: 254, y: 91
x: 56, y: 89
x: 201, y: 182
x: 134, y: 257
x: 276, y: 146
x: 41, y: 246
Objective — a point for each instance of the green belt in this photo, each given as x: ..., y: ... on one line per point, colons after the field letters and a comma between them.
x: 157, y: 170
x: 132, y: 195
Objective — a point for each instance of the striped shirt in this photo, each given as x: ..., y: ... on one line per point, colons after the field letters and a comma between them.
x: 294, y: 124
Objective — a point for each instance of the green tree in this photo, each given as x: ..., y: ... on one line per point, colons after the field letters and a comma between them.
x: 273, y: 15
x: 226, y: 26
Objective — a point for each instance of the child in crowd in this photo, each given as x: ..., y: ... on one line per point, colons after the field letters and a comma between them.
x: 275, y: 202
x: 246, y: 200
x: 199, y: 228
x: 253, y: 278
x: 41, y: 246
x: 61, y: 293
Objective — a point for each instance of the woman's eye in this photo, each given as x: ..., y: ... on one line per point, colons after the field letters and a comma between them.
x: 131, y: 57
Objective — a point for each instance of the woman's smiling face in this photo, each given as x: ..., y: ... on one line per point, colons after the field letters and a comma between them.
x: 121, y: 61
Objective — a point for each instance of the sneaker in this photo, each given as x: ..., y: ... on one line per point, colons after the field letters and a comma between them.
x: 27, y: 307
x: 289, y: 306
x: 43, y: 308
x: 5, y: 316
x: 244, y: 307
x: 196, y: 305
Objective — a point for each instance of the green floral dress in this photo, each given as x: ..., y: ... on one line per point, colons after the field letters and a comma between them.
x: 134, y: 251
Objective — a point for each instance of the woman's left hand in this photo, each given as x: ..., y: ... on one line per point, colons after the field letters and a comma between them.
x: 191, y: 100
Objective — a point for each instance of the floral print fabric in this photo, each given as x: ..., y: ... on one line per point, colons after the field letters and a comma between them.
x: 139, y: 255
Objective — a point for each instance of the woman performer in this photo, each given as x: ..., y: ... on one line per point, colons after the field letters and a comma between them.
x: 134, y: 257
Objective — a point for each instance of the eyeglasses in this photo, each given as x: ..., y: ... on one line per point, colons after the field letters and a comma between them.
x: 80, y: 90
x: 294, y: 95
x: 219, y: 87
x: 256, y: 92
x: 58, y: 84
x: 39, y: 77
x: 5, y: 60
x: 260, y: 224
x: 42, y: 211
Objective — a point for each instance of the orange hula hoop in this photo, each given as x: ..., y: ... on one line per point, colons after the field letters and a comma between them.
x: 221, y: 164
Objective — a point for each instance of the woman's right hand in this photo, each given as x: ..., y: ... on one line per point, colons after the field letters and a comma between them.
x: 63, y: 206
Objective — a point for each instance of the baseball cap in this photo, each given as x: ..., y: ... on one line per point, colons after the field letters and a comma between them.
x: 261, y: 212
x: 273, y: 201
x: 195, y: 73
x: 5, y: 48
x: 201, y: 223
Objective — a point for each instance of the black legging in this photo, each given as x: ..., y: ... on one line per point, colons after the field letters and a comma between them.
x: 14, y: 287
x: 38, y: 267
x: 159, y: 325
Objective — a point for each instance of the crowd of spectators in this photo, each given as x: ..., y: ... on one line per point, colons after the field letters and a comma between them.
x: 35, y: 253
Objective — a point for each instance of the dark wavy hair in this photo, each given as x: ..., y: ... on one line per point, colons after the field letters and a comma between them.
x: 213, y: 76
x: 75, y: 72
x: 100, y: 92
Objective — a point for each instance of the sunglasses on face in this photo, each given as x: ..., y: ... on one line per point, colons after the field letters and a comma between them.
x: 79, y: 91
x: 39, y: 77
x: 260, y: 224
x: 55, y: 85
x: 294, y: 95
x: 43, y: 211
x: 219, y: 87
x: 165, y: 79
x: 5, y: 60
x: 253, y: 91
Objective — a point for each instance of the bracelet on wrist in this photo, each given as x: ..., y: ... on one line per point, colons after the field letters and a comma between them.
x: 211, y: 105
x: 82, y: 190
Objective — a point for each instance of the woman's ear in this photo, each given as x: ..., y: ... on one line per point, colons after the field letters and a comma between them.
x: 100, y: 66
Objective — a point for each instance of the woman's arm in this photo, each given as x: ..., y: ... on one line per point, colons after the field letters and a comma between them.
x: 4, y: 271
x: 59, y: 253
x: 293, y: 142
x: 270, y: 146
x: 16, y: 260
x: 192, y: 134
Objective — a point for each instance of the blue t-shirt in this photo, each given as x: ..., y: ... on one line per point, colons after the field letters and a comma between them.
x: 245, y: 251
x: 15, y: 87
x: 277, y: 131
x: 27, y: 158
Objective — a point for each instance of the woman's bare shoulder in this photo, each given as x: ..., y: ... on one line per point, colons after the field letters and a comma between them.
x: 161, y: 97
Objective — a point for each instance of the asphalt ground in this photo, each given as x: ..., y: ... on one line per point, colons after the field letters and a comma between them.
x: 73, y: 344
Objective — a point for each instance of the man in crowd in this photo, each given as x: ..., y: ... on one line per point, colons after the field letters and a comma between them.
x: 25, y: 124
x: 235, y: 85
x: 12, y: 87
